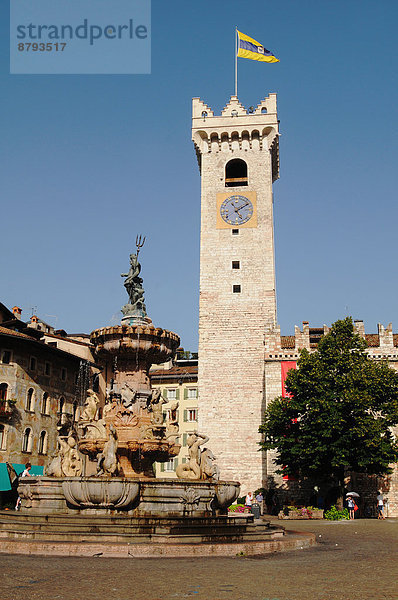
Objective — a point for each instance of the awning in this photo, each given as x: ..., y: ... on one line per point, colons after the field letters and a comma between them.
x: 5, y: 484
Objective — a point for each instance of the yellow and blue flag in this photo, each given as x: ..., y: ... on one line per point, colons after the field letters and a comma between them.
x: 249, y: 48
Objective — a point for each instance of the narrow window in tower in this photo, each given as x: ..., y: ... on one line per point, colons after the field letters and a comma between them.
x: 235, y: 173
x: 235, y: 231
x: 236, y: 264
x: 236, y: 289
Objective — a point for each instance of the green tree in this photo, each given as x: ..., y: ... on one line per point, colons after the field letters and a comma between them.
x: 340, y: 413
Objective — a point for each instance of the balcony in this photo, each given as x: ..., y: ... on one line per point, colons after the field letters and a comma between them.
x: 6, y: 409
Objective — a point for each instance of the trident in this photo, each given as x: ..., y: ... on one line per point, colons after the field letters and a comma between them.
x: 139, y: 242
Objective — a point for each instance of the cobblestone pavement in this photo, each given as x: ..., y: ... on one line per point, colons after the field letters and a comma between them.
x: 354, y: 560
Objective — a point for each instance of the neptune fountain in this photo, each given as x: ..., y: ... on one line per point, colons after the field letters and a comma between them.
x: 100, y: 487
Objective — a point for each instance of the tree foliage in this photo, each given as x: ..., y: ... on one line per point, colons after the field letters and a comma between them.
x: 340, y: 413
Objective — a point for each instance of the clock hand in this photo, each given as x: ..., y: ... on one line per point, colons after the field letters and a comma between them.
x: 240, y: 207
x: 238, y: 213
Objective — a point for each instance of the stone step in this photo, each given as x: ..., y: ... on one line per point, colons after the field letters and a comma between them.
x: 88, y: 526
x: 105, y: 538
x: 118, y: 518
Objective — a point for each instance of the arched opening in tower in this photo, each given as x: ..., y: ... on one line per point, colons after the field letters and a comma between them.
x: 235, y: 173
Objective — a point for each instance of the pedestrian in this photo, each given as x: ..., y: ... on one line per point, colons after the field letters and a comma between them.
x: 260, y: 499
x: 380, y: 505
x: 24, y: 473
x: 351, y: 506
x: 249, y: 501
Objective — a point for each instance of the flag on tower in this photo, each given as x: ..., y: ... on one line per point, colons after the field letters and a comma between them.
x: 249, y: 48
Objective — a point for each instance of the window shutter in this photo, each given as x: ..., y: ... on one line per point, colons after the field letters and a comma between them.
x: 177, y: 394
x: 185, y: 393
x: 162, y: 467
x: 164, y: 393
x: 175, y: 463
x: 184, y: 439
x: 185, y: 416
x: 184, y: 460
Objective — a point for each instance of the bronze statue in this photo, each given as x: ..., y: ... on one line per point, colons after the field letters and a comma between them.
x: 133, y: 284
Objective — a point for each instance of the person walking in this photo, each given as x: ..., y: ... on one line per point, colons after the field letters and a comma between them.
x: 380, y: 505
x: 24, y: 473
x: 249, y: 501
x: 260, y: 500
x: 351, y: 507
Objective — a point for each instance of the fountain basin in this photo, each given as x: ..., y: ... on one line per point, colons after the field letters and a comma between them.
x: 86, y: 492
x: 137, y: 497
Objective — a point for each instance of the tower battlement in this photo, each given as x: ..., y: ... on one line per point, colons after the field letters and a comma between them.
x: 237, y: 128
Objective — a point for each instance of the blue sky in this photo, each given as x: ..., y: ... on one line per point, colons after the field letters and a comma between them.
x: 87, y: 162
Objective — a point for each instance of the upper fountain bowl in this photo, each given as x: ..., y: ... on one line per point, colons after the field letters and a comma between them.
x: 153, y: 344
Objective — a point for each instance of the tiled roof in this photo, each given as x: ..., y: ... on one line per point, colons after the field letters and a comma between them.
x: 189, y: 372
x: 12, y: 332
x: 372, y: 339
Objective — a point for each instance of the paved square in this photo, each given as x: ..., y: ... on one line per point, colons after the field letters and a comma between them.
x: 352, y: 561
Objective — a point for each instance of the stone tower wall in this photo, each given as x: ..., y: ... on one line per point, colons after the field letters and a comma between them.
x: 232, y: 325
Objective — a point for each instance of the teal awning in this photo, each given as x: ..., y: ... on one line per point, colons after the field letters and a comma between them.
x: 5, y: 484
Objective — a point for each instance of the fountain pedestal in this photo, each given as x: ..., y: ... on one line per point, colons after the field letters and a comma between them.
x: 134, y: 409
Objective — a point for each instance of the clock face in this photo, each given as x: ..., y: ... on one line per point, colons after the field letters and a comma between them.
x: 236, y: 210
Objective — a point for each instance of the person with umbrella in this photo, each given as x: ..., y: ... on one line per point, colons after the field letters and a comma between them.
x: 351, y: 504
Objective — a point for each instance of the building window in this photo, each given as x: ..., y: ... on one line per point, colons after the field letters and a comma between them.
x: 3, y: 391
x: 47, y: 369
x: 6, y: 357
x: 236, y: 289
x: 29, y: 405
x: 45, y: 404
x: 235, y: 231
x: 192, y: 393
x: 43, y: 442
x: 2, y: 438
x: 192, y: 414
x: 63, y: 374
x: 171, y: 394
x: 235, y: 173
x: 170, y: 465
x: 61, y: 405
x: 32, y: 363
x: 74, y: 413
x: 235, y: 264
x: 27, y: 440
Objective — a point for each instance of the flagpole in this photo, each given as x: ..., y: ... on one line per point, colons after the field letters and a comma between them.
x: 236, y: 61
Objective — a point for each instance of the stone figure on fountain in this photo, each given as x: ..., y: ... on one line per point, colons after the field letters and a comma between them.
x: 135, y: 290
x: 90, y: 406
x: 172, y: 426
x: 89, y: 426
x: 201, y: 463
x: 66, y: 461
x: 107, y: 463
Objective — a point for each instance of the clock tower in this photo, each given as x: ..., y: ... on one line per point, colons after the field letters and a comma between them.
x: 239, y: 161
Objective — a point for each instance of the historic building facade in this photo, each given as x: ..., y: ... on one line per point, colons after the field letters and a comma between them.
x: 39, y: 393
